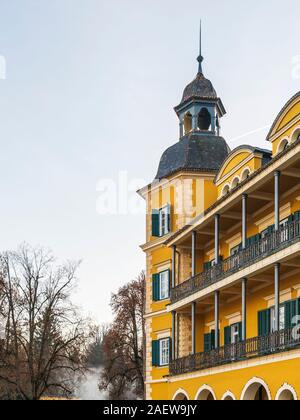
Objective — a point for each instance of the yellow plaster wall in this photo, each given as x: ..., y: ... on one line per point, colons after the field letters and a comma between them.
x: 275, y: 377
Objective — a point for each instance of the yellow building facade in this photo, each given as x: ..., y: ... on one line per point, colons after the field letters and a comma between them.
x: 223, y: 259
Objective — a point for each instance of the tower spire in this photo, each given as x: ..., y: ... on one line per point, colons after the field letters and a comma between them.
x: 200, y: 58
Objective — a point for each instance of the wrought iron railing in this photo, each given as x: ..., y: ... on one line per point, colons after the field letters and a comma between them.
x: 276, y: 342
x: 264, y: 247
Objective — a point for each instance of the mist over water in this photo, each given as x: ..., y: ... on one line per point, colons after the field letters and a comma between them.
x: 87, y: 388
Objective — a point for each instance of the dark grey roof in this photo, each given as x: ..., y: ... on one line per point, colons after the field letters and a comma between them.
x: 195, y: 151
x: 201, y: 88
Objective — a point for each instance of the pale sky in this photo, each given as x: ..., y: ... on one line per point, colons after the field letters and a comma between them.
x: 89, y: 91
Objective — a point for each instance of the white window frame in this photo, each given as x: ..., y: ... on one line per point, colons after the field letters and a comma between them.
x: 164, y: 352
x: 281, y: 319
x: 164, y: 275
x: 235, y: 333
x: 163, y: 221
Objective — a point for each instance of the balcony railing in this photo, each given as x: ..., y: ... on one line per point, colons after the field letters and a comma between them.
x: 264, y: 247
x: 276, y: 342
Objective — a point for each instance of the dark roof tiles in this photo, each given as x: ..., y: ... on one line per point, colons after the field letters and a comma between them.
x: 195, y: 151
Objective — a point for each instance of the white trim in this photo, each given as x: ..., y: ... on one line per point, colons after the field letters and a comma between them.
x: 295, y: 134
x: 234, y: 179
x: 154, y: 314
x: 253, y: 381
x: 180, y: 391
x: 203, y: 389
x: 285, y: 295
x: 252, y: 155
x: 285, y: 139
x: 228, y: 394
x: 163, y: 334
x: 286, y: 387
x: 246, y: 169
x: 227, y: 185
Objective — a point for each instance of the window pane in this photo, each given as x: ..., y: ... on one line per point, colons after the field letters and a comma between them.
x: 164, y: 285
x: 164, y: 352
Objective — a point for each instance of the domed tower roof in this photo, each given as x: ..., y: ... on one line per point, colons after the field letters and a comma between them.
x: 199, y: 88
x: 200, y: 147
x: 195, y: 152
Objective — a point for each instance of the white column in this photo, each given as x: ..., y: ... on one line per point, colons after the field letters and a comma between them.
x: 244, y: 220
x: 173, y: 353
x: 217, y: 304
x: 277, y: 295
x: 277, y: 199
x: 194, y: 240
x: 244, y: 309
x: 173, y: 266
x: 194, y: 328
x: 217, y: 238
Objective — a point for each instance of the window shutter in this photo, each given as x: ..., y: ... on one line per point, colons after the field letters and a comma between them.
x: 206, y: 266
x: 155, y: 287
x: 240, y: 331
x: 290, y: 311
x: 207, y: 342
x: 271, y: 229
x: 290, y: 218
x: 297, y: 220
x: 155, y: 223
x: 155, y: 353
x: 227, y: 335
x: 264, y: 321
x: 213, y: 339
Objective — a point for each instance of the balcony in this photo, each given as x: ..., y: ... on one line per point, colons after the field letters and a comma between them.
x: 264, y: 247
x: 276, y: 342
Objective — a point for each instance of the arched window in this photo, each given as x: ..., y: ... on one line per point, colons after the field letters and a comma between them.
x: 245, y: 174
x: 187, y: 122
x: 235, y: 182
x: 204, y: 119
x: 205, y: 393
x: 286, y: 393
x: 283, y: 146
x: 225, y: 190
x: 295, y: 135
x: 256, y: 390
x: 180, y: 395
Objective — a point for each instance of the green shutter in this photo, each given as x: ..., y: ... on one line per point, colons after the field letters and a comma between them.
x: 213, y: 339
x: 290, y: 218
x: 264, y: 322
x: 206, y: 266
x: 297, y: 215
x: 271, y: 229
x: 155, y: 287
x: 155, y: 223
x: 297, y: 224
x: 290, y: 311
x: 227, y: 335
x: 155, y: 353
x: 207, y: 342
x: 240, y: 331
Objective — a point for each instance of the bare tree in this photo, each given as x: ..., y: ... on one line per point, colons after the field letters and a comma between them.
x: 124, y: 343
x: 44, y: 338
